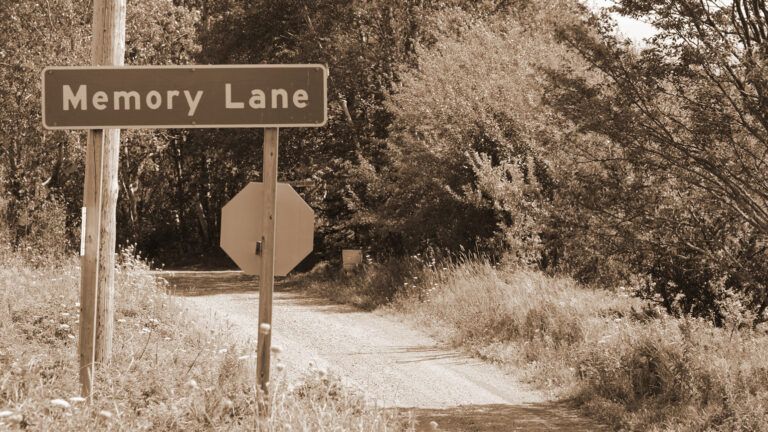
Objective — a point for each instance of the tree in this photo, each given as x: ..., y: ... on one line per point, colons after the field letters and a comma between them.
x: 669, y: 162
x: 467, y: 167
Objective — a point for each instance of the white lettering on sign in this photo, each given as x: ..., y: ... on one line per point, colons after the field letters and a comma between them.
x: 300, y: 98
x: 228, y: 95
x: 75, y: 100
x: 193, y: 102
x: 258, y: 99
x: 153, y: 100
x: 279, y: 99
x: 125, y: 100
x: 282, y: 94
x: 99, y: 100
x: 171, y: 94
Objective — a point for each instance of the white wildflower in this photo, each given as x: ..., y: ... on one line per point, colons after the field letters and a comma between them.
x: 61, y: 403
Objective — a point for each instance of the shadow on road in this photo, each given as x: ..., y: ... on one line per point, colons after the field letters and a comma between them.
x: 554, y: 416
x: 195, y: 283
x: 191, y: 283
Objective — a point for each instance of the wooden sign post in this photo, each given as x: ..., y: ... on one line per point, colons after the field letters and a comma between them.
x: 100, y: 202
x: 267, y: 275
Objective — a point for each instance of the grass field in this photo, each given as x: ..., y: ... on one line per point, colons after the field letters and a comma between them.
x: 623, y: 361
x: 166, y: 375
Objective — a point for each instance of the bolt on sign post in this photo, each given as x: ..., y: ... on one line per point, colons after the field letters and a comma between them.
x: 211, y: 96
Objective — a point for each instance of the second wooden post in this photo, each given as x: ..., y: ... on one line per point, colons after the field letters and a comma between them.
x: 267, y: 274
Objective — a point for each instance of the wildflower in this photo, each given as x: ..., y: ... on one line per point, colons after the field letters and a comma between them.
x: 61, y: 403
x: 105, y: 414
x: 228, y: 404
x: 192, y: 384
x: 121, y: 320
x: 145, y: 330
x: 433, y: 425
x: 64, y: 327
x: 222, y: 351
x: 264, y: 328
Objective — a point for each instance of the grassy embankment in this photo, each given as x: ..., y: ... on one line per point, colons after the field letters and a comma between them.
x: 164, y: 376
x: 624, y: 362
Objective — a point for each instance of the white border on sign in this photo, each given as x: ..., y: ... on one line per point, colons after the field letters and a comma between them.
x: 193, y: 126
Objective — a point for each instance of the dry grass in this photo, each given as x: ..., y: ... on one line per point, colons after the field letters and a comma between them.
x: 165, y: 375
x: 625, y: 362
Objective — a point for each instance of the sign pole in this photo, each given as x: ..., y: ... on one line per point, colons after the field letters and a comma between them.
x: 100, y: 201
x: 267, y: 274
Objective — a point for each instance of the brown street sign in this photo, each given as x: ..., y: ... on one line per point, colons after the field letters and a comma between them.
x: 265, y: 96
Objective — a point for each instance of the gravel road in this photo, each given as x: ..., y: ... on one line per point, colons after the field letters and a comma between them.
x: 391, y: 361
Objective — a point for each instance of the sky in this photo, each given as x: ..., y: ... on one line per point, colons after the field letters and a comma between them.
x: 629, y: 27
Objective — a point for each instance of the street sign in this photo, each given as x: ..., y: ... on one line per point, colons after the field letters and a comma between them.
x: 241, y: 229
x: 220, y: 96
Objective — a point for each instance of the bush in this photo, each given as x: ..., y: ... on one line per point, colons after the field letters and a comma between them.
x: 624, y: 360
x: 167, y: 374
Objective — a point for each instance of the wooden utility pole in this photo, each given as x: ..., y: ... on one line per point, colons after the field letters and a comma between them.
x: 100, y: 201
x: 267, y: 274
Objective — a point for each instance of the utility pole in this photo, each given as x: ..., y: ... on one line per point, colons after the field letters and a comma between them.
x: 97, y: 273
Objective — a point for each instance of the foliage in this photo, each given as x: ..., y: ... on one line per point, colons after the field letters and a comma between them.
x: 666, y: 172
x: 465, y: 146
x: 41, y: 171
x: 623, y: 360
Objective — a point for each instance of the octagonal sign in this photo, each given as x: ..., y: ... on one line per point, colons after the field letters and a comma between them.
x: 241, y: 221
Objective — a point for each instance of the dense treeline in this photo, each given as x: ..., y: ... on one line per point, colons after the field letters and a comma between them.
x: 525, y: 131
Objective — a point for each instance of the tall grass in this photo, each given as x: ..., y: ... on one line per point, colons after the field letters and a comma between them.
x: 166, y: 373
x: 623, y: 360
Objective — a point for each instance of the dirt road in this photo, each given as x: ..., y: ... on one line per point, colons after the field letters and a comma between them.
x: 391, y: 361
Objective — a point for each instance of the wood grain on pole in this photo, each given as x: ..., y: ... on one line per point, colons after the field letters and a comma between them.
x: 105, y: 312
x: 89, y: 265
x: 100, y: 200
x: 267, y: 274
x: 108, y: 50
